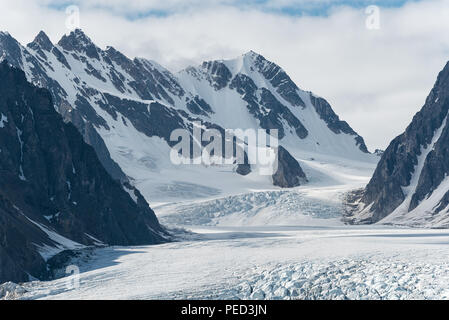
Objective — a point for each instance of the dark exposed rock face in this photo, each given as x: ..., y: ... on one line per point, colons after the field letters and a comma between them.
x: 219, y: 74
x: 289, y: 173
x: 148, y: 81
x: 10, y: 49
x: 16, y: 55
x: 78, y: 41
x: 334, y: 123
x: 279, y: 79
x: 426, y: 138
x: 243, y: 169
x: 18, y: 240
x: 159, y: 121
x: 277, y: 112
x: 198, y: 106
x: 51, y: 177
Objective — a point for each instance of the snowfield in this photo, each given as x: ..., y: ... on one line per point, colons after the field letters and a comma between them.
x: 250, y: 241
x: 268, y: 263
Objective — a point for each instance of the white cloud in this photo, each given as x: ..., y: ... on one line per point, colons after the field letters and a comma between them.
x: 138, y: 6
x: 376, y: 80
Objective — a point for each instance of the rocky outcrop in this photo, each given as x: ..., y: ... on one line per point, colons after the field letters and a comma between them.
x: 270, y: 112
x: 18, y: 240
x: 52, y: 183
x: 279, y: 79
x: 411, y: 173
x: 11, y: 291
x: 289, y: 173
x: 198, y: 106
x: 219, y: 74
x: 379, y: 152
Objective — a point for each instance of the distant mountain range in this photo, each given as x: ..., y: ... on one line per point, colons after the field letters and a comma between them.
x: 126, y: 109
x: 57, y: 101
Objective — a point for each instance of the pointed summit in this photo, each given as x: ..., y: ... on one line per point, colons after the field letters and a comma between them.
x: 77, y: 36
x: 10, y: 49
x: 5, y: 36
x: 78, y: 41
x: 41, y: 41
x: 443, y: 76
x: 252, y: 54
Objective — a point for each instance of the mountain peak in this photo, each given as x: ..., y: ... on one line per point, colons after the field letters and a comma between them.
x: 443, y: 76
x: 407, y: 186
x: 10, y: 49
x: 41, y: 41
x: 255, y: 57
x: 67, y: 199
x: 115, y: 54
x: 78, y: 35
x: 4, y: 35
x: 78, y: 41
x: 252, y: 54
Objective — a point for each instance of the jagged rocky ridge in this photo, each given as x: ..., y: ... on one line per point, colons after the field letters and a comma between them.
x: 410, y: 185
x: 100, y: 91
x: 54, y: 192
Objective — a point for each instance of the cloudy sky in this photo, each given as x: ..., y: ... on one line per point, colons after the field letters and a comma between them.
x: 375, y: 78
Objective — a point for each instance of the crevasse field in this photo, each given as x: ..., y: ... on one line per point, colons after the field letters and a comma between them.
x: 266, y: 244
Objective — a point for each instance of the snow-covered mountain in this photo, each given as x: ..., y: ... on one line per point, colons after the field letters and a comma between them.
x: 54, y: 193
x: 410, y: 185
x: 263, y: 95
x: 126, y: 109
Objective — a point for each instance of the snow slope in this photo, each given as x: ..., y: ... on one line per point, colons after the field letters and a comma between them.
x: 60, y: 243
x: 130, y: 106
x: 244, y: 202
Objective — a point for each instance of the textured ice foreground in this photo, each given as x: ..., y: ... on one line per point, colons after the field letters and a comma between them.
x: 269, y: 263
